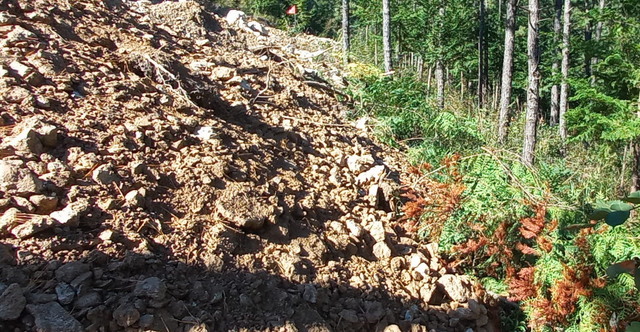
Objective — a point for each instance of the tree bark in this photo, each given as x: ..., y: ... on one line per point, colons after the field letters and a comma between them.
x: 386, y: 36
x: 588, y: 33
x: 564, y: 87
x: 635, y: 175
x: 481, y: 50
x: 555, y: 91
x: 345, y: 31
x: 507, y: 71
x: 598, y: 35
x: 440, y: 83
x: 533, y: 90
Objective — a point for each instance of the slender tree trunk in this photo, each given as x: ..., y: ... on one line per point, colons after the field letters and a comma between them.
x: 507, y: 70
x: 533, y: 90
x: 481, y: 62
x: 439, y: 65
x: 555, y: 91
x: 588, y: 33
x: 386, y: 36
x: 635, y: 175
x: 440, y: 83
x: 598, y: 35
x: 345, y: 31
x: 564, y: 87
x: 429, y: 76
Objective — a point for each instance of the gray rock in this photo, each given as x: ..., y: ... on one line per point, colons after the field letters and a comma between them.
x: 48, y: 135
x: 146, y: 321
x: 152, y: 287
x: 17, y: 179
x: 65, y: 293
x: 70, y: 271
x: 27, y: 141
x: 88, y: 300
x: 12, y: 302
x: 126, y: 315
x: 83, y: 279
x: 70, y: 215
x: 33, y: 225
x: 44, y: 204
x: 40, y: 298
x: 459, y: 288
x: 7, y: 255
x: 310, y: 293
x: 349, y: 316
x: 222, y: 73
x: 51, y: 317
x: 104, y: 175
x: 373, y: 311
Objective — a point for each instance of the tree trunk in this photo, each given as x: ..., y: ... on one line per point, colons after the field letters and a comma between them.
x: 533, y: 90
x: 564, y: 87
x: 588, y: 33
x: 440, y: 83
x: 386, y: 36
x: 481, y: 62
x: 345, y: 31
x: 507, y: 71
x: 555, y: 91
x: 598, y: 35
x: 635, y: 175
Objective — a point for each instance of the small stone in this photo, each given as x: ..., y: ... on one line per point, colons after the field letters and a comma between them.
x: 134, y: 198
x: 16, y: 179
x: 145, y: 321
x: 71, y: 270
x: 88, y: 300
x: 153, y: 288
x: 373, y: 175
x: 349, y: 316
x: 234, y: 16
x: 70, y: 215
x: 105, y: 175
x: 33, y: 225
x: 381, y: 250
x: 51, y: 317
x: 48, y: 133
x: 355, y: 229
x: 427, y: 291
x: 392, y: 328
x: 423, y: 269
x: 126, y: 315
x: 17, y: 95
x: 373, y: 311
x: 7, y: 255
x: 12, y: 302
x: 44, y: 204
x: 222, y: 73
x: 40, y: 298
x: 106, y: 235
x: 65, y: 293
x: 23, y: 204
x: 377, y: 231
x: 310, y: 293
x: 459, y: 288
x: 27, y: 141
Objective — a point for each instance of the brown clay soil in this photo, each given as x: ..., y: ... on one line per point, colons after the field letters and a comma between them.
x: 163, y: 170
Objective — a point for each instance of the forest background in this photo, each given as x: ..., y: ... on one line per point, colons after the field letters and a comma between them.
x: 524, y: 117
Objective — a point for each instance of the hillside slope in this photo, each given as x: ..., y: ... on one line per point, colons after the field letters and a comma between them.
x: 163, y: 170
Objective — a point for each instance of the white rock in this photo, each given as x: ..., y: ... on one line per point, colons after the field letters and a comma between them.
x: 362, y: 123
x: 71, y: 213
x: 257, y: 27
x: 222, y: 73
x: 423, y: 269
x: 381, y: 250
x: 377, y: 231
x: 354, y: 229
x: 233, y: 16
x: 104, y: 175
x: 205, y: 133
x: 20, y: 68
x: 373, y: 175
x: 134, y: 198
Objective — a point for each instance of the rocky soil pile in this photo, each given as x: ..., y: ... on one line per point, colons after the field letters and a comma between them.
x: 164, y: 170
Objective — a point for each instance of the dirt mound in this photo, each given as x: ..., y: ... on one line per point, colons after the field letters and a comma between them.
x: 162, y: 170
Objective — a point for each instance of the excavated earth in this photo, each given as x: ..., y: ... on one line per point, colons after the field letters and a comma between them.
x: 164, y: 170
